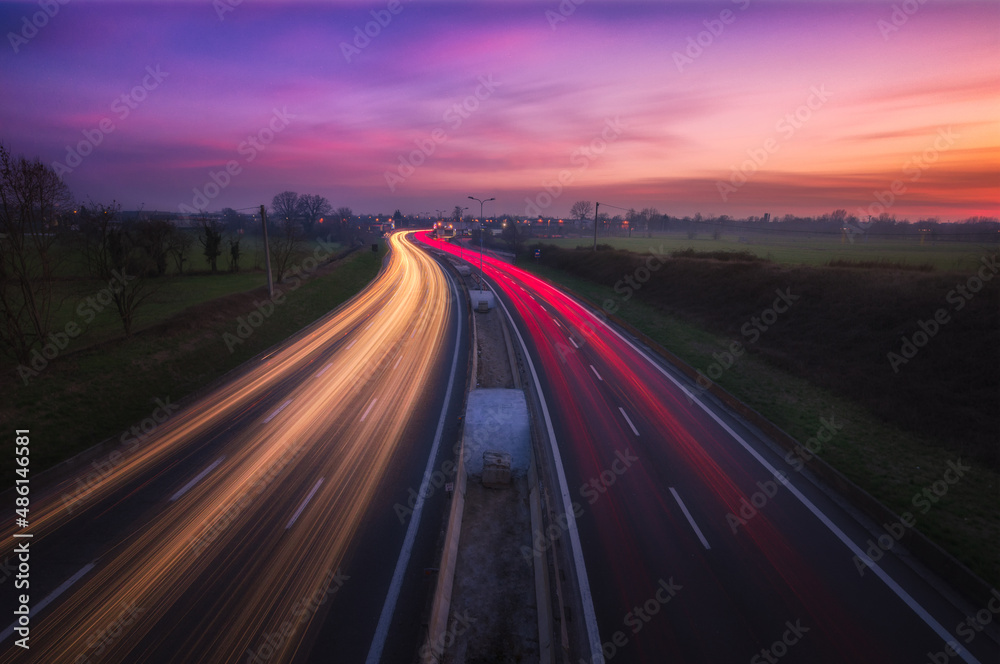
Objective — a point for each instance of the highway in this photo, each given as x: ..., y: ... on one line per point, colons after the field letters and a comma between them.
x: 262, y: 521
x: 678, y: 568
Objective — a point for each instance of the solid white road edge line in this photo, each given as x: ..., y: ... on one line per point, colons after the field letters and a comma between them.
x: 907, y: 599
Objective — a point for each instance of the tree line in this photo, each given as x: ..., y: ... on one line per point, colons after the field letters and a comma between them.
x: 972, y: 229
x: 46, y: 236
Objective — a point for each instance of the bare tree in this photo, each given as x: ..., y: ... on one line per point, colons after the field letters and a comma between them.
x: 649, y: 217
x: 178, y: 244
x: 456, y: 214
x: 311, y: 208
x: 511, y: 234
x: 692, y: 229
x: 342, y: 224
x: 285, y: 206
x: 234, y: 254
x: 282, y: 244
x: 116, y: 256
x: 582, y: 210
x: 154, y: 236
x: 31, y: 198
x: 211, y: 242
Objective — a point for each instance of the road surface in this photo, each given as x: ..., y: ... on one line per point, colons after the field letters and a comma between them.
x: 269, y: 520
x: 700, y: 542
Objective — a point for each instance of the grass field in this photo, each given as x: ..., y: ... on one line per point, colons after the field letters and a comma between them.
x: 76, y: 301
x: 804, y: 249
x: 69, y: 260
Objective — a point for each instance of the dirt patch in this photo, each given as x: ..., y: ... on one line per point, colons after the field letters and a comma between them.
x: 494, y: 587
x: 494, y: 367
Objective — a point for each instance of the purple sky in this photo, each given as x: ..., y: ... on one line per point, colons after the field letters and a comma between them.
x: 788, y: 108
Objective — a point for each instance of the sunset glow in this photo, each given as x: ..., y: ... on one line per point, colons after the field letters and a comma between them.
x: 735, y: 108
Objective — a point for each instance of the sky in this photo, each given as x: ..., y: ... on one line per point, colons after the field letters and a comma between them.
x: 736, y: 108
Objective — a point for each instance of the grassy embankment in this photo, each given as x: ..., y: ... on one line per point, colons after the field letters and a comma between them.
x: 102, y: 383
x: 827, y: 356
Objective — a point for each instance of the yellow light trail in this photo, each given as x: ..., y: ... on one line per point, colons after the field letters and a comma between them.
x: 344, y: 426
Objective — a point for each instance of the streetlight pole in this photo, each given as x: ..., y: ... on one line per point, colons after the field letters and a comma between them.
x: 481, y: 224
x: 596, y: 208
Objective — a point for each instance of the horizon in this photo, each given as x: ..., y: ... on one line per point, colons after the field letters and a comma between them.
x: 733, y: 108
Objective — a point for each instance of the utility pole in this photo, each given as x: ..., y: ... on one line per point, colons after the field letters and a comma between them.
x: 597, y: 206
x: 267, y: 252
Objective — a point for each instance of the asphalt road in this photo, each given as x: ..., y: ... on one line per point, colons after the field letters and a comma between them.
x: 700, y: 541
x: 270, y: 520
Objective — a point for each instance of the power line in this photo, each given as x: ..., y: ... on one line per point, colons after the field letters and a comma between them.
x: 615, y: 207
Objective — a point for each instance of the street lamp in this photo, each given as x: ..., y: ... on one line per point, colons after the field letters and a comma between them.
x: 481, y: 224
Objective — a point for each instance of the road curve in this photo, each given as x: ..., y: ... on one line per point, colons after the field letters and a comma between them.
x: 229, y: 534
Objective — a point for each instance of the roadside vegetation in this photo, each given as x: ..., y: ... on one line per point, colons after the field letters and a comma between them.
x: 104, y: 314
x: 95, y: 391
